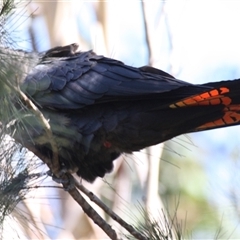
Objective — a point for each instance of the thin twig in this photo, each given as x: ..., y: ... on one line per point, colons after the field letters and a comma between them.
x: 146, y: 31
x: 54, y: 163
x: 112, y: 214
x: 68, y: 184
x: 88, y: 209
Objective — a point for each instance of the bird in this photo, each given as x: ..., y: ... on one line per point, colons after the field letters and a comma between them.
x: 99, y: 108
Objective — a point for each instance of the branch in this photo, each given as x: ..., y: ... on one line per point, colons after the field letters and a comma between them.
x: 53, y: 164
x: 112, y: 214
x: 87, y: 208
x: 146, y: 31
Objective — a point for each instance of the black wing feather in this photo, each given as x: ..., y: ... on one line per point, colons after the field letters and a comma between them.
x: 98, y: 108
x: 86, y: 78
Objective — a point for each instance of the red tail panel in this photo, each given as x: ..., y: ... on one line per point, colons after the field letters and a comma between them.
x: 231, y: 117
x: 213, y: 97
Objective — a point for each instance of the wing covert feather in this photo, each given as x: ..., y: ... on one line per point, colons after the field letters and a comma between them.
x: 86, y: 78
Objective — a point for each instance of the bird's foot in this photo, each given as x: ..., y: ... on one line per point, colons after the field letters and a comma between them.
x: 63, y: 178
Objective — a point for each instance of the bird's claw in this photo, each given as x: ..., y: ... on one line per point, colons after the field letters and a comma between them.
x: 62, y: 178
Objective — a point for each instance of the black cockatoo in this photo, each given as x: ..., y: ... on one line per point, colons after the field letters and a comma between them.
x: 99, y: 108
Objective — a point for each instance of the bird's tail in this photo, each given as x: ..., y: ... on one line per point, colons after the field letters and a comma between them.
x: 225, y: 94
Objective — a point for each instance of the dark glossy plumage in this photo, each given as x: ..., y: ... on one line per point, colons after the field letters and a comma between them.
x: 99, y: 108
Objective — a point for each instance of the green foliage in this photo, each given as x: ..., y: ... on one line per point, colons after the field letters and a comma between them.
x: 7, y: 7
x: 164, y: 228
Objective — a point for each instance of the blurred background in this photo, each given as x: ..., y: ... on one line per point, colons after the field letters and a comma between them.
x: 194, y: 177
